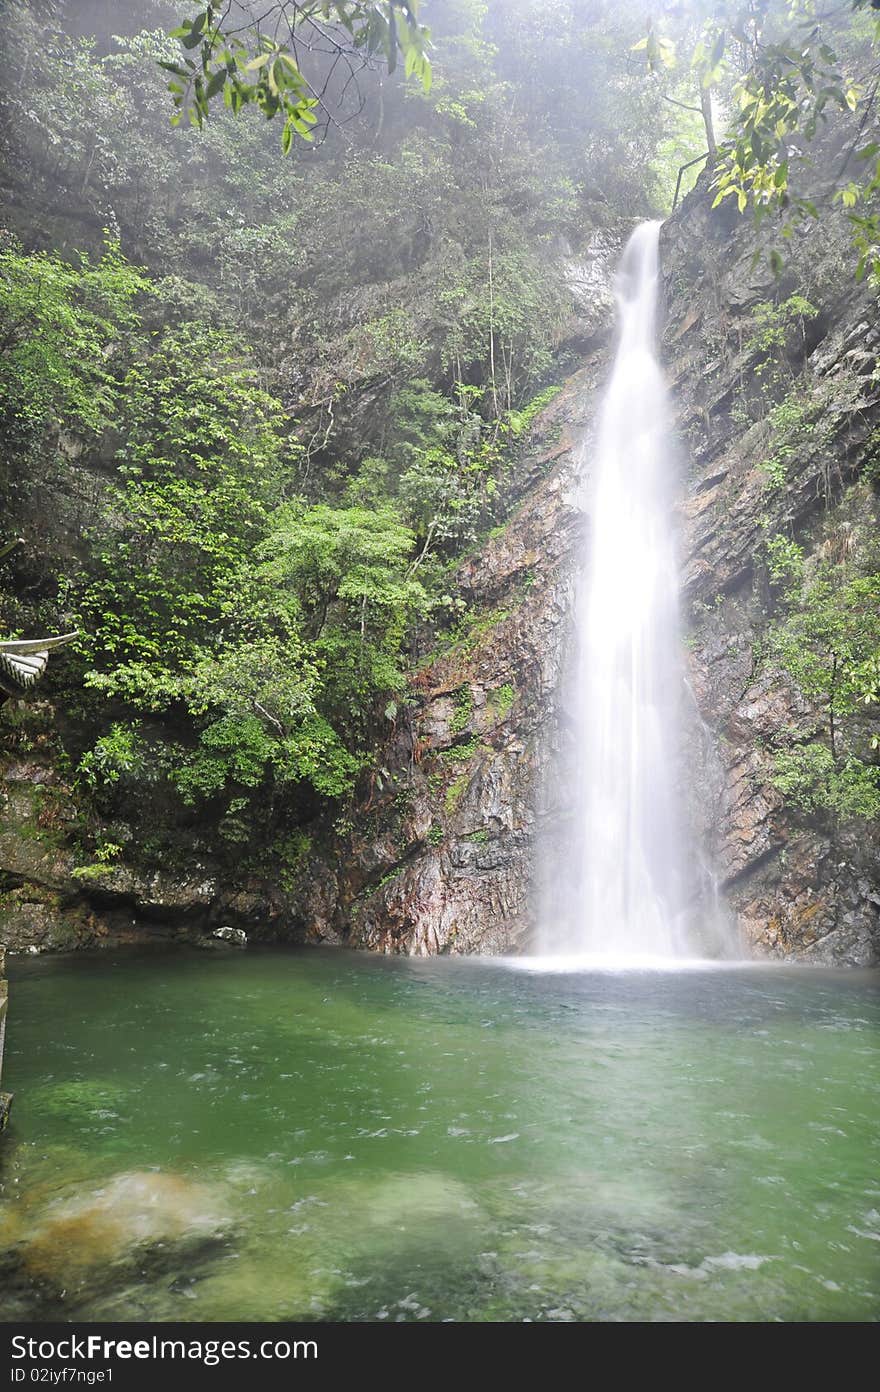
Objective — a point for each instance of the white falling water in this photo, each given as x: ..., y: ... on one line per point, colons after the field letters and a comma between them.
x: 627, y: 894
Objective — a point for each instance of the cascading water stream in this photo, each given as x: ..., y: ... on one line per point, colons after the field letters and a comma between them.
x: 627, y: 892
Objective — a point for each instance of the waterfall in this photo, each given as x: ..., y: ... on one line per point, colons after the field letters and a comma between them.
x: 626, y: 887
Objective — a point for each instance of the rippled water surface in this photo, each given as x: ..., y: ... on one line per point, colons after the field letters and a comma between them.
x: 274, y: 1135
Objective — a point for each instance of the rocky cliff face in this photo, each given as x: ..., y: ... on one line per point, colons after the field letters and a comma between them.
x: 798, y: 887
x: 440, y: 854
x: 475, y: 786
x: 449, y: 864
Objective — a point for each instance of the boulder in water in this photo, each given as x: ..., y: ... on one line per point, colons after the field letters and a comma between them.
x: 97, y: 1226
x: 236, y: 936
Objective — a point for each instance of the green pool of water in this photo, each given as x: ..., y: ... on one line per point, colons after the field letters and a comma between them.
x: 315, y: 1135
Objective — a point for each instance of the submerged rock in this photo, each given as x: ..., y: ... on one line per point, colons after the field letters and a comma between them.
x: 101, y: 1224
x: 80, y: 1247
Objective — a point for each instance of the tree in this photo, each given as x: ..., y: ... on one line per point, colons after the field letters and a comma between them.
x: 195, y: 478
x: 828, y: 640
x: 705, y: 38
x: 785, y: 68
x: 60, y: 326
x: 348, y: 573
x: 297, y: 59
x: 820, y: 65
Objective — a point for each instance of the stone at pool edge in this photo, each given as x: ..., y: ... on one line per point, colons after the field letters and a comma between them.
x: 236, y: 937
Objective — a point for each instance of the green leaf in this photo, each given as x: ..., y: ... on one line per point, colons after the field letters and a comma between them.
x: 215, y: 83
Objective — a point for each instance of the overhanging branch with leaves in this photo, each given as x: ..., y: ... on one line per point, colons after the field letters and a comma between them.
x: 284, y: 58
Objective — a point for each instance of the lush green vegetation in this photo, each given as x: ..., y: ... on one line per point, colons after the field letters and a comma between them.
x: 255, y: 409
x: 826, y: 636
x: 263, y: 629
x: 59, y: 328
x: 773, y: 73
x: 821, y: 593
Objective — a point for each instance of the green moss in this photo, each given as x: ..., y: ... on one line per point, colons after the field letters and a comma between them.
x: 455, y: 791
x: 386, y: 879
x: 82, y: 1100
x: 89, y: 874
x: 459, y: 753
x: 871, y: 459
x: 467, y: 634
x: 521, y: 420
x: 43, y: 821
x: 472, y: 627
x: 501, y: 700
x: 464, y: 709
x: 292, y: 851
x: 482, y: 624
x: 435, y: 835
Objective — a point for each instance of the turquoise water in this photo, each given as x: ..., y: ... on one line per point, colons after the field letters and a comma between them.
x: 286, y: 1135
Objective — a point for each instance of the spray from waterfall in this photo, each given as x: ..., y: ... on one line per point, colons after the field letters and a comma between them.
x: 627, y: 885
